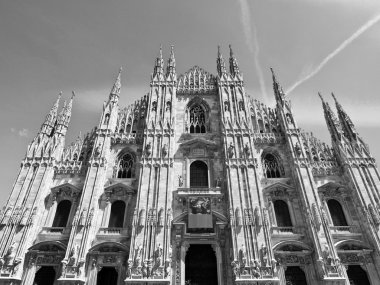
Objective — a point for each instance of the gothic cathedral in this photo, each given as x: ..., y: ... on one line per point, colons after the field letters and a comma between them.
x: 196, y: 183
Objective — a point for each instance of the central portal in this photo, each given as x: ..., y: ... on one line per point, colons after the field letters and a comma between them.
x: 200, y: 265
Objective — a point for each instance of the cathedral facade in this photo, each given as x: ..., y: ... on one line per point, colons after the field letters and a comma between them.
x: 195, y: 183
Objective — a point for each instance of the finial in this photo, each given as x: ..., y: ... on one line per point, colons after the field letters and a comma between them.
x: 219, y: 54
x: 60, y: 94
x: 160, y: 50
x: 231, y: 51
x: 336, y: 101
x: 72, y: 94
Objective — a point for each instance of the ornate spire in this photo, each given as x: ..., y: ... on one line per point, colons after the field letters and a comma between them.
x: 220, y: 64
x: 115, y: 91
x: 331, y: 120
x: 345, y: 121
x: 51, y: 117
x: 234, y: 67
x: 64, y: 116
x: 170, y: 69
x: 159, y: 66
x: 278, y: 92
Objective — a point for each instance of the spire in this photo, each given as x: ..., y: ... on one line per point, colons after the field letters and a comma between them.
x: 170, y: 69
x: 65, y: 115
x: 345, y: 121
x: 51, y: 118
x: 331, y: 120
x: 278, y: 92
x: 220, y: 64
x: 159, y: 66
x: 234, y: 67
x: 115, y: 91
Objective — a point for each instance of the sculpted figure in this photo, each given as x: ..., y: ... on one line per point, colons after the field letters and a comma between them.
x: 10, y: 255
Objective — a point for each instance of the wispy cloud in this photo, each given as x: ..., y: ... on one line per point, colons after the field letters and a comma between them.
x: 21, y: 133
x: 340, y: 48
x: 250, y: 30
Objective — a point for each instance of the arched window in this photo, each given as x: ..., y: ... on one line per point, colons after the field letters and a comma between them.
x: 295, y: 276
x: 197, y: 120
x: 198, y: 174
x: 272, y: 167
x: 282, y: 214
x: 125, y: 166
x: 336, y: 213
x: 62, y: 214
x: 117, y: 215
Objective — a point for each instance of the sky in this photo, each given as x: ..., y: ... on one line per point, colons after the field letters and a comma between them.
x: 48, y: 46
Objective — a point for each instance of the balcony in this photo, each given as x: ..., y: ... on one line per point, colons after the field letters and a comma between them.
x: 200, y: 191
x: 345, y: 230
x: 282, y: 230
x: 54, y: 232
x: 113, y: 232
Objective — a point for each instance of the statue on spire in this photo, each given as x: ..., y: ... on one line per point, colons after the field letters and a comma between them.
x: 234, y: 67
x: 345, y: 121
x: 331, y: 120
x: 170, y: 69
x: 159, y: 66
x: 220, y: 64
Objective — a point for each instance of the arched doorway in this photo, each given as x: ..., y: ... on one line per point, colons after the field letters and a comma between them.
x: 200, y: 265
x: 295, y: 276
x: 107, y: 276
x: 45, y: 276
x: 357, y: 275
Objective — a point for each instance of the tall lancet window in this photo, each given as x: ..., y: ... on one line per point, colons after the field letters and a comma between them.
x: 272, y: 167
x: 197, y: 120
x: 124, y: 168
x: 336, y: 213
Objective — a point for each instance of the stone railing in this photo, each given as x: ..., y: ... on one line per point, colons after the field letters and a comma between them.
x: 344, y: 229
x: 53, y: 230
x: 282, y: 230
x: 199, y: 191
x: 113, y: 231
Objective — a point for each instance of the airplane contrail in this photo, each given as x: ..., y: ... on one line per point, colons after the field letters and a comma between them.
x: 341, y: 47
x: 253, y: 44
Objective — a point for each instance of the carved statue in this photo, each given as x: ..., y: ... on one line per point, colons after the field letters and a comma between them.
x: 82, y: 220
x: 73, y: 254
x: 242, y: 258
x: 148, y: 149
x: 247, y: 151
x: 10, y: 255
x: 264, y: 255
x: 164, y: 150
x: 297, y: 149
x: 218, y: 182
x: 236, y: 268
x: 231, y: 150
x: 97, y: 151
x: 138, y: 255
x: 158, y: 255
x: 180, y: 181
